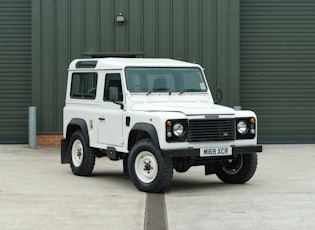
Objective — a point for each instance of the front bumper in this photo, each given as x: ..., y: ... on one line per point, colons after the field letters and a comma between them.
x: 196, y: 152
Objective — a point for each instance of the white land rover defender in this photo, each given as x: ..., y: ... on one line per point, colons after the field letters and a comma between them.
x: 157, y: 115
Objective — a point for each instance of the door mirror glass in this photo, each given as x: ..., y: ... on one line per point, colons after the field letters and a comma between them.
x: 113, y: 93
x: 219, y: 95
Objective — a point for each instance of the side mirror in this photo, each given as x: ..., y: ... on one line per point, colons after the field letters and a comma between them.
x: 114, y: 96
x: 219, y: 95
x: 113, y: 93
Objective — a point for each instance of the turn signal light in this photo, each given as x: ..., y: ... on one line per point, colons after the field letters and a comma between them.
x: 252, y: 120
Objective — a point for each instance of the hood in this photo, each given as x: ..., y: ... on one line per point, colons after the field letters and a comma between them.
x: 190, y: 108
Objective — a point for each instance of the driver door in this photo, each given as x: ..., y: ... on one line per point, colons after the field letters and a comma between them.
x: 110, y: 119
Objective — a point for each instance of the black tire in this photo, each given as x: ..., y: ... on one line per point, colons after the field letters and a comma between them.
x: 239, y: 170
x: 81, y: 154
x: 149, y: 171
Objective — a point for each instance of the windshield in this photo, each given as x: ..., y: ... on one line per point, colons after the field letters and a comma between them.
x: 151, y: 79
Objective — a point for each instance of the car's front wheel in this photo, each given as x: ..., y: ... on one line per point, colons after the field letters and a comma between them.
x: 238, y: 170
x: 148, y: 169
x: 82, y: 155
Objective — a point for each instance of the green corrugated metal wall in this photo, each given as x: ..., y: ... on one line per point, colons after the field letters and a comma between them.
x: 277, y: 68
x: 277, y: 54
x: 15, y: 69
x: 202, y: 31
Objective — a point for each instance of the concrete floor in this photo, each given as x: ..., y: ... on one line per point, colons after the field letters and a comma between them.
x: 37, y: 192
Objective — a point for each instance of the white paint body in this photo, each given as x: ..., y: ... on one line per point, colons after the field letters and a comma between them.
x: 154, y: 108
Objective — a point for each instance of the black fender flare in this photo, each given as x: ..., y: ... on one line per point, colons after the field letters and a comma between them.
x: 148, y: 128
x: 75, y: 124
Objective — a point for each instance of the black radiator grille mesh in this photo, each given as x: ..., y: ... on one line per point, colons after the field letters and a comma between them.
x: 211, y: 130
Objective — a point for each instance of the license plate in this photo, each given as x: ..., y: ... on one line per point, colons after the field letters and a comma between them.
x: 216, y: 151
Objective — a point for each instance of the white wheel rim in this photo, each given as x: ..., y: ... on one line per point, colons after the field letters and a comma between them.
x: 146, y: 167
x: 77, y: 153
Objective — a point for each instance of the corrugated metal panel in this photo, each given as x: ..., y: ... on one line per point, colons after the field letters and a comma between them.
x: 278, y: 67
x: 15, y: 70
x: 202, y: 31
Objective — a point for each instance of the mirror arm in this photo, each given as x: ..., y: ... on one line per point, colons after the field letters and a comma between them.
x: 119, y: 103
x: 219, y: 96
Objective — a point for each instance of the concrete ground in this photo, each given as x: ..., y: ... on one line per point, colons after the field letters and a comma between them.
x: 37, y: 192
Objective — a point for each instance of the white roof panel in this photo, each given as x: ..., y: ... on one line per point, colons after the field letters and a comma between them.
x: 121, y: 63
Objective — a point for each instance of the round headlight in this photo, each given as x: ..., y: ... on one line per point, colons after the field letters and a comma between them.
x: 178, y: 130
x: 242, y: 127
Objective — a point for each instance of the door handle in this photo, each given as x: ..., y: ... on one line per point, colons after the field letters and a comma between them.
x: 101, y: 118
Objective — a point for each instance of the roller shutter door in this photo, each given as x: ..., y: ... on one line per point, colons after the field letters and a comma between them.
x: 15, y: 70
x: 277, y: 67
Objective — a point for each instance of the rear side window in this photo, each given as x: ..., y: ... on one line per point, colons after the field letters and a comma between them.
x: 83, y: 86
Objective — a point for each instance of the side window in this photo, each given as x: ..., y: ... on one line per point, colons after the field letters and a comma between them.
x: 83, y: 86
x: 112, y: 80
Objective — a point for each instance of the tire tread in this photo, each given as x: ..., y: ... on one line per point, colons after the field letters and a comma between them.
x: 88, y: 162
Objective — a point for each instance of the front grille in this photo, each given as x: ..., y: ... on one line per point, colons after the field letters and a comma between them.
x: 211, y: 130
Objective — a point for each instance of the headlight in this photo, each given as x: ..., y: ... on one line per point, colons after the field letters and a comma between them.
x: 178, y: 129
x: 242, y: 127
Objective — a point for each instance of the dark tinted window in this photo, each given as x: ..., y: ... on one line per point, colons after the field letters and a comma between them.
x: 83, y: 85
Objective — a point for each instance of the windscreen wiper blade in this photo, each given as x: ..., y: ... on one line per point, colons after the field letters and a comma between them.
x: 190, y: 90
x: 159, y: 90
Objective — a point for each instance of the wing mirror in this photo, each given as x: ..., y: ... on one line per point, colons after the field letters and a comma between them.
x: 114, y: 96
x: 219, y: 96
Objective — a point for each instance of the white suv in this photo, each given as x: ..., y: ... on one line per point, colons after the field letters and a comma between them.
x: 157, y: 115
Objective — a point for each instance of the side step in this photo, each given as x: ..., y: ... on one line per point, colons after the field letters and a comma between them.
x: 112, y: 154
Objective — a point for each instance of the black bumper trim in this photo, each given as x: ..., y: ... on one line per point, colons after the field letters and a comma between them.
x: 196, y: 152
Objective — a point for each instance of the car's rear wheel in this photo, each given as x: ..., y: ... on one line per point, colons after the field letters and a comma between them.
x: 82, y: 155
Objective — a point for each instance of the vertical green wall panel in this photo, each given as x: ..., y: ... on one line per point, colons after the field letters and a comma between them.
x: 62, y: 57
x: 150, y: 31
x: 76, y: 38
x: 91, y: 25
x: 48, y: 71
x: 107, y: 26
x: 196, y: 31
x: 164, y: 28
x: 194, y: 28
x: 135, y: 26
x: 222, y: 41
x: 121, y: 36
x: 208, y: 41
x: 234, y: 53
x: 36, y: 56
x: 179, y: 39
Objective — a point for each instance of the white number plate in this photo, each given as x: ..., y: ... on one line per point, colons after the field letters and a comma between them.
x: 216, y: 151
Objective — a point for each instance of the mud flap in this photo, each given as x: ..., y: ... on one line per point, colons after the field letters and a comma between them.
x: 65, y: 155
x: 125, y: 165
x: 209, y: 169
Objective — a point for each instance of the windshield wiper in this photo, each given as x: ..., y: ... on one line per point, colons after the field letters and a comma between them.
x: 159, y: 90
x: 190, y: 90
